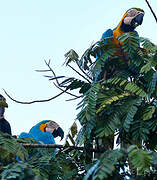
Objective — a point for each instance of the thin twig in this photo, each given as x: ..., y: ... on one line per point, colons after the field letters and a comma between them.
x: 66, y: 91
x: 48, y: 64
x: 59, y: 147
x: 151, y: 10
x: 83, y: 71
x: 79, y: 73
x: 74, y: 98
x: 35, y: 101
x: 90, y: 48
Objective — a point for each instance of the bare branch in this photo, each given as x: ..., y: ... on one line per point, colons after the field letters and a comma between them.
x: 48, y: 64
x: 59, y: 147
x: 45, y: 100
x: 151, y: 10
x: 35, y: 101
x: 67, y: 92
x: 79, y: 73
x: 73, y: 98
x: 83, y: 71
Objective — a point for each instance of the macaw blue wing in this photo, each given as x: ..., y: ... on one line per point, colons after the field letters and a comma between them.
x: 106, y: 34
x: 25, y: 135
x: 44, y: 137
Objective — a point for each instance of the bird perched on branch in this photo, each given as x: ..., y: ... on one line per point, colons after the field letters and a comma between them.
x: 118, y: 60
x: 44, y: 132
x: 4, y: 124
x: 130, y: 20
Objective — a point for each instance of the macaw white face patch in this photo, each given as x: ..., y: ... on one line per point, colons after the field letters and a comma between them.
x: 127, y: 20
x: 51, y: 126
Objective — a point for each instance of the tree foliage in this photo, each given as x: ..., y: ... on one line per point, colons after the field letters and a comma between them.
x: 121, y: 107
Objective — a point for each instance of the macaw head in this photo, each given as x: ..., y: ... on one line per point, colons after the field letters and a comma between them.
x: 3, y: 105
x: 53, y: 128
x: 131, y: 19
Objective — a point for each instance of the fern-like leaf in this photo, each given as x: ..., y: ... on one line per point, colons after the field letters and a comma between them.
x: 152, y: 84
x: 10, y: 145
x: 71, y: 56
x: 18, y: 171
x: 128, y: 86
x: 129, y: 42
x: 140, y: 159
x: 131, y: 113
x: 110, y: 100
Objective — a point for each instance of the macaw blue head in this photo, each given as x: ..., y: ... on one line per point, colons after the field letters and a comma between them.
x: 53, y: 128
x: 131, y: 19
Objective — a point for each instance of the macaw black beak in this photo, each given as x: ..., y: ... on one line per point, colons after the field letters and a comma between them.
x: 58, y: 132
x: 139, y: 19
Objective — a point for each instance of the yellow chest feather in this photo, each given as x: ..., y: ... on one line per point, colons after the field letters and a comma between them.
x: 117, y: 33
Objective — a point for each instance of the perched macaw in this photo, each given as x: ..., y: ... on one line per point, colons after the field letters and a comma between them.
x: 130, y: 20
x: 44, y: 132
x: 4, y: 124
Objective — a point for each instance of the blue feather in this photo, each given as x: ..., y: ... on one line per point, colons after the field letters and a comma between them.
x: 25, y: 135
x: 36, y: 133
x: 106, y: 34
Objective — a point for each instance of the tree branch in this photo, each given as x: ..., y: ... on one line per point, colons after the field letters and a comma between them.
x: 35, y: 101
x: 151, y: 10
x: 59, y: 147
x: 50, y: 70
x: 76, y: 97
x: 83, y: 71
x: 48, y: 64
x: 73, y: 98
x: 79, y: 73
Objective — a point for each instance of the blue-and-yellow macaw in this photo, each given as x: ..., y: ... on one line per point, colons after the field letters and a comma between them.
x: 4, y: 124
x: 44, y: 132
x: 130, y: 20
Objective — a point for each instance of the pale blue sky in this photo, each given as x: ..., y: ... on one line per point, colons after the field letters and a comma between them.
x: 32, y: 31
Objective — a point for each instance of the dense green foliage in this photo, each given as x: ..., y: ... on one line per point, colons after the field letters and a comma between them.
x: 122, y: 109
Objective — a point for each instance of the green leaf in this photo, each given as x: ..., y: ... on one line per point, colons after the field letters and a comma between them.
x: 110, y: 100
x: 128, y: 86
x: 129, y: 42
x: 71, y: 56
x: 148, y: 112
x: 107, y: 53
x: 18, y: 171
x: 139, y: 130
x: 11, y: 146
x: 131, y: 113
x: 140, y: 159
x: 152, y: 84
x: 74, y: 129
